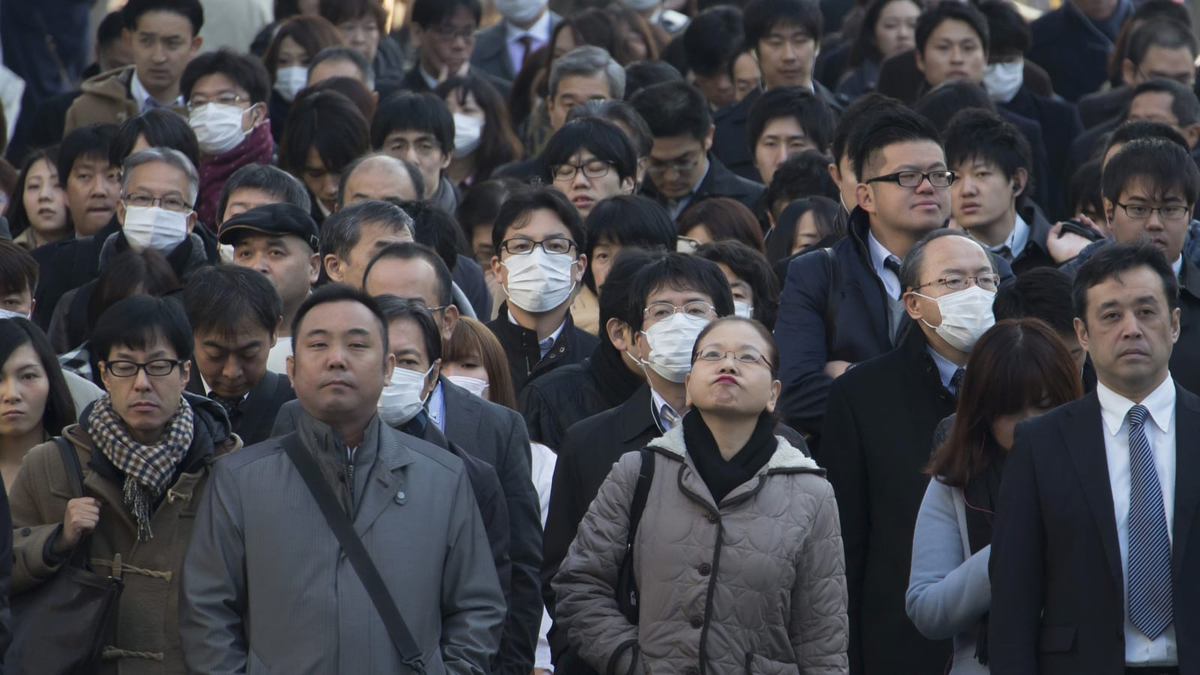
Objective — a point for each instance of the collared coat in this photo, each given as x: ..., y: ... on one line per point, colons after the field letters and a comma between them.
x: 525, y: 360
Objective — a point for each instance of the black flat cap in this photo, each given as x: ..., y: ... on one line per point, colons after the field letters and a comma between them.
x: 279, y: 218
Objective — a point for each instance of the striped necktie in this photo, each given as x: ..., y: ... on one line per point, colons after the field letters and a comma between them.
x: 1150, y: 602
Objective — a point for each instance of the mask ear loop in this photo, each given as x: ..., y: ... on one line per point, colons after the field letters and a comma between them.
x: 964, y: 493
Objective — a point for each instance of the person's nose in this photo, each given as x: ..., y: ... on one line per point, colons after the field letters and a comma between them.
x: 141, y: 380
x: 259, y: 263
x: 924, y: 187
x: 336, y: 358
x: 1131, y: 328
x: 232, y: 369
x: 905, y: 33
x: 158, y: 53
x: 580, y: 180
x: 331, y: 184
x: 9, y: 391
x: 46, y: 192
x: 957, y: 55
x: 968, y: 187
x: 790, y: 53
x: 1154, y: 223
x: 96, y: 188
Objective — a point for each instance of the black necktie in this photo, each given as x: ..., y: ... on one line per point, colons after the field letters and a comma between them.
x: 893, y: 265
x: 956, y: 381
x: 229, y: 403
x: 527, y: 45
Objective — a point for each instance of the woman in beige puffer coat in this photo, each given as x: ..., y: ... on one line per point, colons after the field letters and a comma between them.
x: 738, y: 556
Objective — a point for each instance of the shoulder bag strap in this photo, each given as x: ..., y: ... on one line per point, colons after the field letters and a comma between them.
x: 70, y: 460
x: 638, y: 505
x: 337, y: 520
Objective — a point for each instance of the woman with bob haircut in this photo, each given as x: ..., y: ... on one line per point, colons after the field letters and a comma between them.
x: 719, y: 219
x: 483, y: 136
x: 35, y: 402
x: 328, y: 126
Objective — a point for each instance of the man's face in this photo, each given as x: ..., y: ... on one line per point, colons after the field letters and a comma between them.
x: 160, y: 181
x: 380, y: 178
x: 1162, y: 63
x: 242, y: 200
x: 1167, y: 234
x: 421, y: 148
x: 93, y: 188
x: 232, y: 365
x: 286, y: 260
x: 573, y: 90
x: 415, y: 279
x: 218, y: 88
x: 677, y: 163
x: 19, y: 301
x: 162, y: 44
x: 115, y: 54
x: 786, y: 55
x: 780, y: 137
x: 676, y: 297
x: 717, y: 88
x: 332, y: 68
x: 146, y: 404
x: 914, y: 210
x: 374, y: 238
x: 746, y: 75
x: 446, y: 47
x: 338, y: 368
x: 585, y: 191
x: 1130, y: 331
x: 541, y: 225
x: 945, y: 257
x: 982, y: 195
x: 407, y: 342
x: 1155, y: 106
x: 952, y: 52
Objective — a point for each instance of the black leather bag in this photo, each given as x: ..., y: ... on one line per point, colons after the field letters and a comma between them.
x: 60, y: 627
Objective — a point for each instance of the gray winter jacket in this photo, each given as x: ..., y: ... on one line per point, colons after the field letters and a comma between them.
x: 755, y: 584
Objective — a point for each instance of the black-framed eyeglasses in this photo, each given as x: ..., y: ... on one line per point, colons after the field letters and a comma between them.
x: 144, y: 200
x: 155, y: 368
x: 661, y: 311
x: 956, y: 282
x: 1142, y: 212
x: 556, y: 245
x: 746, y: 356
x: 448, y: 32
x: 912, y: 179
x: 657, y: 168
x: 597, y: 168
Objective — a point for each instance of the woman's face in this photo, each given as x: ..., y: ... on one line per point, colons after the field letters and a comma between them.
x: 807, y: 233
x: 896, y: 29
x: 727, y: 387
x: 634, y: 41
x: 465, y: 105
x: 362, y: 34
x: 1002, y: 426
x: 564, y: 42
x: 602, y: 261
x: 320, y: 180
x: 742, y: 291
x: 472, y: 366
x: 45, y: 201
x: 24, y: 389
x: 746, y: 75
x: 699, y: 234
x: 291, y: 54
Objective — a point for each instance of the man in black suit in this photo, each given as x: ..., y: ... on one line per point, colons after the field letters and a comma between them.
x: 1093, y: 564
x: 445, y: 32
x: 235, y: 313
x: 876, y: 453
x: 502, y: 48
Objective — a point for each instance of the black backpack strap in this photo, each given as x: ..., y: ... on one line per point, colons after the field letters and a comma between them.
x: 832, y: 296
x: 337, y: 520
x: 638, y: 505
x: 70, y: 460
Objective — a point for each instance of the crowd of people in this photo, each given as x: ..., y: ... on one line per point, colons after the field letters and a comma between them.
x: 600, y: 336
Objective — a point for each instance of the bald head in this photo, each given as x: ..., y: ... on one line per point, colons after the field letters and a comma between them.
x: 380, y: 177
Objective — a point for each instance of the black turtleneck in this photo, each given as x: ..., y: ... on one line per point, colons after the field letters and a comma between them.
x: 722, y: 476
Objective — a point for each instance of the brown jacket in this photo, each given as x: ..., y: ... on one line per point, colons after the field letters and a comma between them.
x: 753, y: 585
x: 106, y: 99
x: 146, y: 639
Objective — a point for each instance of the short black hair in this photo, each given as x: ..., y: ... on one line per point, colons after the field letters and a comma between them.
x: 620, y: 113
x: 244, y: 70
x: 982, y: 136
x: 632, y: 221
x: 1130, y: 131
x: 1184, y: 104
x: 761, y: 16
x: 416, y: 111
x: 162, y: 128
x: 479, y: 203
x: 802, y: 174
x: 782, y: 238
x: 221, y: 299
x: 848, y: 134
x: 110, y: 28
x: 616, y: 302
x: 1111, y: 260
x: 89, y: 142
x: 327, y: 122
x: 18, y: 269
x: 865, y: 48
x: 933, y: 17
x: 431, y: 13
x: 674, y: 109
x: 1040, y: 293
x: 342, y: 53
x: 910, y: 268
x: 413, y: 171
x: 668, y: 269
x: 436, y: 228
x: 412, y: 251
x: 642, y: 74
x: 1009, y: 31
x: 1159, y: 32
x: 279, y: 184
x: 397, y: 309
x: 192, y: 10
x: 941, y: 104
x: 137, y: 322
x: 342, y: 230
x: 520, y: 205
x: 1084, y: 188
x: 752, y: 267
x: 892, y: 125
x: 603, y: 139
x: 1161, y: 165
x: 144, y: 272
x: 335, y: 292
x: 711, y: 38
x: 810, y: 112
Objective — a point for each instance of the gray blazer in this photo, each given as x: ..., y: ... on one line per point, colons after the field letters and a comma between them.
x: 265, y: 587
x: 491, y: 49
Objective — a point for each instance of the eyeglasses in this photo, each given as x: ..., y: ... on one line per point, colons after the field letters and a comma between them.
x: 557, y: 245
x: 1140, y: 212
x: 224, y: 99
x: 657, y: 168
x: 746, y: 356
x: 155, y: 368
x: 597, y: 168
x: 955, y: 282
x: 450, y: 32
x: 144, y: 200
x: 661, y: 311
x: 912, y: 179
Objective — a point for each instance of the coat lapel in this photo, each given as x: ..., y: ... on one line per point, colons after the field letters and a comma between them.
x: 1083, y: 433
x: 635, y: 417
x: 387, y: 478
x: 1187, y: 472
x: 464, y: 413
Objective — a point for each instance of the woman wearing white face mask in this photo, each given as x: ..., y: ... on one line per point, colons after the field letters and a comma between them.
x: 755, y: 288
x: 483, y: 134
x: 293, y: 46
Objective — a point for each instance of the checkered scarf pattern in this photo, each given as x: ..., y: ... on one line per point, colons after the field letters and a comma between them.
x: 148, y: 468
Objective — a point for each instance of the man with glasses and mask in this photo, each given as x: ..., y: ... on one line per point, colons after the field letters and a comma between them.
x: 875, y: 454
x: 589, y: 160
x: 445, y: 32
x: 539, y: 241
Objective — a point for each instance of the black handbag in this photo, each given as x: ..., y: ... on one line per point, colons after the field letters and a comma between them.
x: 60, y: 627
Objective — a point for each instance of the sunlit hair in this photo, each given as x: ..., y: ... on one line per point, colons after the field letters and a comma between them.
x: 471, y: 339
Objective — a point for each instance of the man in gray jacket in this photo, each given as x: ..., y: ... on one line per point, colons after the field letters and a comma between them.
x: 266, y: 587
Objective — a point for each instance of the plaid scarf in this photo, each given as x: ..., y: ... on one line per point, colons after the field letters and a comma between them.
x: 148, y: 468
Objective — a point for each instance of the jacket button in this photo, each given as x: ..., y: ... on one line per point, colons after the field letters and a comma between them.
x: 712, y: 518
x: 705, y: 569
x: 25, y: 531
x: 697, y: 622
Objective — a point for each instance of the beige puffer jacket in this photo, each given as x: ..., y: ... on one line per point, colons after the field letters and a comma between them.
x: 756, y: 585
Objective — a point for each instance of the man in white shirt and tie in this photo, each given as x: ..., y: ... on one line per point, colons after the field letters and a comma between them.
x: 501, y: 49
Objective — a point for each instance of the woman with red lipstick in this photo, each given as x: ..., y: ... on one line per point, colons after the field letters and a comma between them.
x: 35, y: 403
x: 737, y: 555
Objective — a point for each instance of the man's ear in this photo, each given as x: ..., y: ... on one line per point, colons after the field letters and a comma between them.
x: 1109, y: 212
x: 185, y: 371
x: 196, y: 42
x: 708, y: 139
x: 1081, y: 332
x: 449, y: 321
x: 1020, y: 182
x: 275, y: 333
x: 333, y: 267
x: 1191, y: 133
x: 627, y: 186
x: 191, y: 221
x: 500, y: 272
x: 866, y: 198
x: 618, y: 334
x: 920, y: 60
x: 1128, y: 72
x: 314, y: 268
x: 912, y: 305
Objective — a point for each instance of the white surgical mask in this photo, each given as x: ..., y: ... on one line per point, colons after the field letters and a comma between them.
x: 472, y: 384
x: 539, y: 281
x: 290, y: 80
x: 1004, y: 80
x: 468, y: 131
x: 401, y: 399
x: 154, y: 227
x: 671, y: 342
x: 218, y: 127
x: 966, y: 315
x: 743, y: 309
x: 520, y: 11
x: 9, y: 314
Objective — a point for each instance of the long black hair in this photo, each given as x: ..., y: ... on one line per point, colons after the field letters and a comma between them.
x: 60, y: 407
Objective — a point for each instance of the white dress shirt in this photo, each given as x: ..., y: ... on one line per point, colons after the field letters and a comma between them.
x: 1016, y: 241
x: 539, y: 31
x: 1140, y: 650
x: 664, y: 414
x: 879, y: 254
x: 143, y: 97
x: 544, y: 345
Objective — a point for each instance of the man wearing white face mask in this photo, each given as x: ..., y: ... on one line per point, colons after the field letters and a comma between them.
x: 539, y: 239
x: 226, y: 97
x: 878, y: 433
x: 501, y: 49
